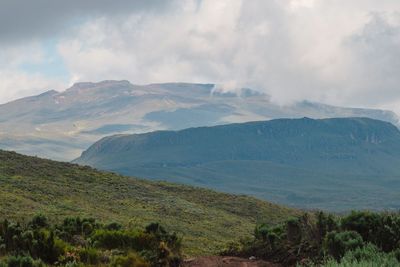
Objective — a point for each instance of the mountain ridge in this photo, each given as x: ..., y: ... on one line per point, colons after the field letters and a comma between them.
x: 279, y: 156
x: 66, y: 123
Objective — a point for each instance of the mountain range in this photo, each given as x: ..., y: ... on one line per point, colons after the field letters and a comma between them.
x: 333, y: 164
x: 60, y: 125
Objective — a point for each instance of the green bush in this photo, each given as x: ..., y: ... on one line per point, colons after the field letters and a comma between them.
x: 22, y: 261
x: 313, y: 237
x: 367, y: 256
x: 89, y: 256
x: 325, y: 224
x: 113, y: 226
x: 130, y: 260
x: 382, y: 230
x: 73, y: 226
x: 293, y: 230
x: 83, y: 242
x: 338, y: 243
x: 39, y: 221
x: 396, y: 253
x: 261, y: 232
x: 369, y: 252
x: 112, y: 239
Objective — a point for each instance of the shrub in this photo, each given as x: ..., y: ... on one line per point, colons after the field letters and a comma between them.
x: 113, y: 226
x: 325, y: 224
x: 368, y: 255
x: 309, y: 239
x: 38, y: 221
x: 261, y: 232
x: 365, y: 253
x: 363, y: 222
x: 74, y: 243
x: 89, y: 256
x: 388, y: 235
x: 293, y: 230
x: 72, y: 226
x: 23, y: 261
x: 111, y: 239
x: 396, y: 253
x: 338, y: 243
x: 382, y: 230
x: 130, y: 260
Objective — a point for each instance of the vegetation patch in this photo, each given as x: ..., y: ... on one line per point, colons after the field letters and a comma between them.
x: 204, y: 218
x: 85, y: 242
x: 358, y: 239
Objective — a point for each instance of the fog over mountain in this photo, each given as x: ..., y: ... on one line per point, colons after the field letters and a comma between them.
x: 339, y: 52
x: 60, y: 125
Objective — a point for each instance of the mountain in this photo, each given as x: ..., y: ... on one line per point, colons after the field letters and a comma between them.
x: 206, y: 219
x: 60, y: 125
x: 335, y: 164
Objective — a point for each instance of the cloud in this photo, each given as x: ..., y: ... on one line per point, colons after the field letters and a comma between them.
x: 335, y: 51
x: 374, y: 66
x: 18, y: 84
x: 21, y: 19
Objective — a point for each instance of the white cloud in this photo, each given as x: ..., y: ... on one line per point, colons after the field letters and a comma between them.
x: 334, y: 51
x: 294, y: 4
x: 16, y: 84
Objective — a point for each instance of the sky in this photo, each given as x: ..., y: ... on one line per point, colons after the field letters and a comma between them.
x: 340, y: 52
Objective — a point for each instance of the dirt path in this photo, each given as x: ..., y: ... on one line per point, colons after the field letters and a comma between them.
x: 219, y: 261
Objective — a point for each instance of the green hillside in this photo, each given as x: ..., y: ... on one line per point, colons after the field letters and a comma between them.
x: 205, y: 219
x: 333, y: 164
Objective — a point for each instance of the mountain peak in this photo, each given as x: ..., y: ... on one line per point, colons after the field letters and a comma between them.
x: 105, y: 83
x: 48, y: 93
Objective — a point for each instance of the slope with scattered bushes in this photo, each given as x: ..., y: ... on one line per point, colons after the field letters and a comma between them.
x: 204, y: 218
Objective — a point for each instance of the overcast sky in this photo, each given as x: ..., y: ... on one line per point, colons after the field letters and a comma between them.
x: 342, y: 52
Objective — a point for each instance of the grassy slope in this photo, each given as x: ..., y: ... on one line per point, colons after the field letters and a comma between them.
x: 205, y: 218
